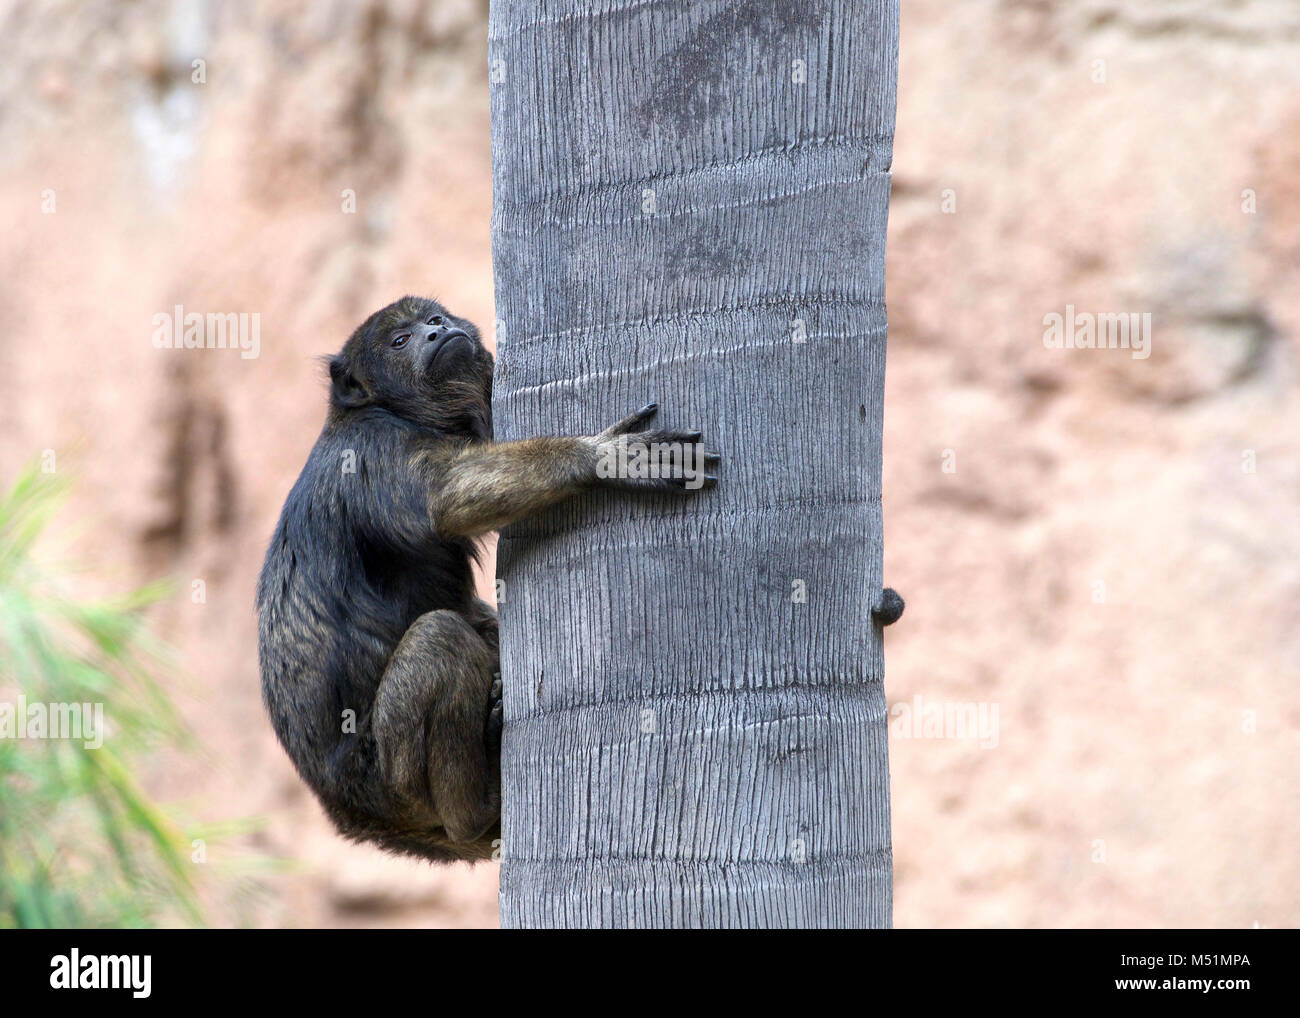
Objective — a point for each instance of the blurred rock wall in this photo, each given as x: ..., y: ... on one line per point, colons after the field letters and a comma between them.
x: 1094, y: 686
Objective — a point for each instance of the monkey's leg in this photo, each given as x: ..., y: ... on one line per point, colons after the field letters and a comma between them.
x: 483, y: 617
x: 432, y: 725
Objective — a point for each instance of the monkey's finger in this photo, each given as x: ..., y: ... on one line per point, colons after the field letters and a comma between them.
x: 669, y: 437
x: 691, y: 482
x: 636, y: 421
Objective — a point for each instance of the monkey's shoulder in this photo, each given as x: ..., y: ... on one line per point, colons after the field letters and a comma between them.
x: 357, y: 521
x: 380, y: 450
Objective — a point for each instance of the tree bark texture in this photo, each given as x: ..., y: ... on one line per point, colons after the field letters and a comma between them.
x: 690, y: 207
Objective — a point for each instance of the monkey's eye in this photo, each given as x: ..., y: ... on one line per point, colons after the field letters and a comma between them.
x: 400, y: 341
x: 435, y: 320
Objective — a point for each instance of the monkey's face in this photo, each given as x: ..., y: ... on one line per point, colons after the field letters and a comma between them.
x: 417, y: 359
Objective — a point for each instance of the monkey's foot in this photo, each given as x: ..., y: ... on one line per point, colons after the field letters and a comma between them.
x: 496, y: 714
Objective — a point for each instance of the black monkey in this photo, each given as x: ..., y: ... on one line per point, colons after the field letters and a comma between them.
x: 379, y: 663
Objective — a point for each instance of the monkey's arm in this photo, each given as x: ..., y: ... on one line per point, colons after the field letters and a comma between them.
x: 493, y: 484
x: 488, y: 486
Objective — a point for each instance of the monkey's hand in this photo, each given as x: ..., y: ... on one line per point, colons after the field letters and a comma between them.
x: 633, y: 456
x: 489, y: 485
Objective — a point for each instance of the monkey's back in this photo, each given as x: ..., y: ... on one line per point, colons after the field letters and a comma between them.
x: 353, y: 561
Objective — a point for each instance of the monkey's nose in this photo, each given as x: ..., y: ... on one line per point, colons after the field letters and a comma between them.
x: 443, y: 338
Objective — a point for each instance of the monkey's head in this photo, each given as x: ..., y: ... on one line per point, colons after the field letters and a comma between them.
x: 417, y: 360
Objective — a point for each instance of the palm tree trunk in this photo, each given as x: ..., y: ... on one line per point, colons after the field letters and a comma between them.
x: 690, y: 207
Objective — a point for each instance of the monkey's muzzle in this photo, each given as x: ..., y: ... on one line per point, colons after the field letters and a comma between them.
x: 444, y: 345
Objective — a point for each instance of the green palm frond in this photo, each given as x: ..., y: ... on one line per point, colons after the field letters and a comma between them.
x: 81, y: 843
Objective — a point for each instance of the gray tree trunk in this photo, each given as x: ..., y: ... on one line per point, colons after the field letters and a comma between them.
x: 690, y: 207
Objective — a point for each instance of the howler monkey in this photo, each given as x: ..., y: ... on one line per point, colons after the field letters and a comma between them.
x: 379, y: 663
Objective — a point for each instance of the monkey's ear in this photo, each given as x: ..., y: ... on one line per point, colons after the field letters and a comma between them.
x: 345, y: 389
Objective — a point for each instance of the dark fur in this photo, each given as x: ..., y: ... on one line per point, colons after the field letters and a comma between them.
x: 366, y: 600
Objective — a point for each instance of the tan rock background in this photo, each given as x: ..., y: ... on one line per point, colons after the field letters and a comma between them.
x: 1102, y: 549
